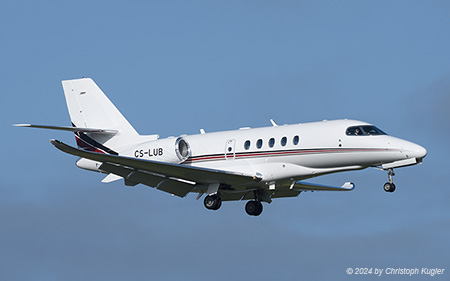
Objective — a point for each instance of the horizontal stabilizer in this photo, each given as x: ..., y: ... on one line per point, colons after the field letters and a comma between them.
x: 70, y: 129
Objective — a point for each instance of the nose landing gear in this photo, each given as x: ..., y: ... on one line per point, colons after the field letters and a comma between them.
x: 390, y: 186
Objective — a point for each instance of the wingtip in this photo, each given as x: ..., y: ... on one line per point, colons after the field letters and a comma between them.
x: 55, y: 142
x: 348, y: 186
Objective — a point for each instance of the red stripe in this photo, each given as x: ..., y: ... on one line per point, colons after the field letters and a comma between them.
x: 204, y: 158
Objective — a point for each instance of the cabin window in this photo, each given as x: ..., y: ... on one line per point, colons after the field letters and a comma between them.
x: 364, y: 131
x: 247, y: 145
x: 271, y: 142
x: 283, y: 141
x: 259, y: 143
x: 295, y: 140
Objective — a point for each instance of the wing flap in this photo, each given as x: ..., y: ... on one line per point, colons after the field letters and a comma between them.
x: 175, y: 187
x: 285, y: 193
x: 236, y: 195
x: 133, y: 177
x: 232, y: 196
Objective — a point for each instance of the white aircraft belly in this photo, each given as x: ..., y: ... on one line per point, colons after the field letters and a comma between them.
x: 282, y: 168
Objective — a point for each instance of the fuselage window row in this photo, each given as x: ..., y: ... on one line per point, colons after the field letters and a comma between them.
x: 271, y: 142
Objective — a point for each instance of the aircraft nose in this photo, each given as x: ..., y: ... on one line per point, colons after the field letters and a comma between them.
x: 419, y: 151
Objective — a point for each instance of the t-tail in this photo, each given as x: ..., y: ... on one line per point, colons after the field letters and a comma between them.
x: 90, y: 108
x: 97, y: 124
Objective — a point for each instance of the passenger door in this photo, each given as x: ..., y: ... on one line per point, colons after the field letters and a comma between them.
x: 229, y: 149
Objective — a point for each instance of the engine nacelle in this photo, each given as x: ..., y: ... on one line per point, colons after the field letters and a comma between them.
x: 172, y: 150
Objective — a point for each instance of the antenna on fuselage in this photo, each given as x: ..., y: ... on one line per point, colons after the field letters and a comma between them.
x: 273, y: 123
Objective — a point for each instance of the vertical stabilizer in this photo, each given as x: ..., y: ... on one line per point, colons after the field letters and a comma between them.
x: 90, y: 108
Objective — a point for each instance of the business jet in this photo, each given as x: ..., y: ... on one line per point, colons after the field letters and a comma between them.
x: 256, y: 165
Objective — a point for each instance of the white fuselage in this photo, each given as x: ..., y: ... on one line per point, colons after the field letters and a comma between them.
x: 291, y: 152
x: 247, y: 164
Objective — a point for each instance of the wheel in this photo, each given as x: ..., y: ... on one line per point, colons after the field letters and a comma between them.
x: 250, y: 207
x: 212, y: 202
x: 253, y: 208
x: 259, y: 209
x: 389, y: 187
x: 392, y: 187
x: 218, y: 204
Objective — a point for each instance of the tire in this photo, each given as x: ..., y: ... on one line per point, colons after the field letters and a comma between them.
x: 259, y: 209
x: 392, y: 188
x: 212, y: 202
x: 389, y: 187
x: 253, y: 208
x: 218, y: 204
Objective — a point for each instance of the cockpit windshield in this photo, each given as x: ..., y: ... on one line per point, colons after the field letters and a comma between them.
x: 364, y: 131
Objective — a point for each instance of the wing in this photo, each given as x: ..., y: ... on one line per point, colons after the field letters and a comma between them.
x: 281, y: 190
x: 180, y: 179
x: 303, y: 186
x: 173, y: 178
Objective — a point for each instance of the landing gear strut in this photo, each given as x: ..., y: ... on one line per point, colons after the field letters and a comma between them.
x: 390, y: 186
x: 212, y: 202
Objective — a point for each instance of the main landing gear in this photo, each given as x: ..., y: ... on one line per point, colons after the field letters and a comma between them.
x: 213, y: 202
x: 390, y: 186
x: 254, y: 208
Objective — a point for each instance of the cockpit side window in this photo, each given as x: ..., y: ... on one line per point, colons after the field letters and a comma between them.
x: 364, y: 131
x: 354, y: 131
x: 372, y: 130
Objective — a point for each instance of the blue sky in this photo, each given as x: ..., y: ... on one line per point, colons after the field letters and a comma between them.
x: 173, y: 67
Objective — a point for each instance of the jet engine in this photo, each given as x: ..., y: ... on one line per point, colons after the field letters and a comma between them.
x: 172, y: 150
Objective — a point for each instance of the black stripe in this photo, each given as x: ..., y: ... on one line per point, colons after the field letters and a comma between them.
x: 311, y: 150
